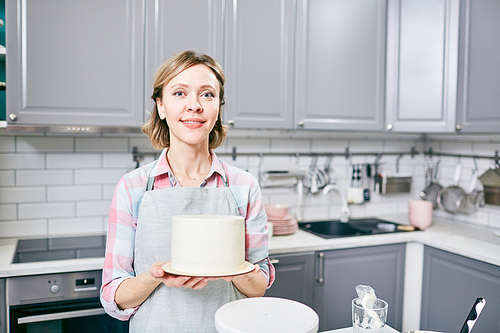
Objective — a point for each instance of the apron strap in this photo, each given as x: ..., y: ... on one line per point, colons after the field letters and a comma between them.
x: 151, y: 179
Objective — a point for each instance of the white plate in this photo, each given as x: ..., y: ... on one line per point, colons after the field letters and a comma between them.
x: 247, y: 269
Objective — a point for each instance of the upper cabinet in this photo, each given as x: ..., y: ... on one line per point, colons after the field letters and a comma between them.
x: 174, y: 26
x: 340, y: 64
x: 422, y: 49
x: 259, y: 58
x: 478, y: 104
x: 75, y: 63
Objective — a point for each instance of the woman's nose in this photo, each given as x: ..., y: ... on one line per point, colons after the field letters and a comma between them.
x: 194, y: 104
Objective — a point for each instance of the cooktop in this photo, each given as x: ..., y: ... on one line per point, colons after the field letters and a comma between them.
x: 59, y: 248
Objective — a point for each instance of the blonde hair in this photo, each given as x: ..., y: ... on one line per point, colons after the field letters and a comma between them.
x: 157, y: 129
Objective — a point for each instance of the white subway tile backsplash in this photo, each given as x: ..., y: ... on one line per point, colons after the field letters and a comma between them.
x: 45, y: 210
x: 100, y: 176
x: 333, y: 146
x: 22, y: 161
x: 108, y: 191
x: 92, y: 208
x: 64, y: 185
x: 101, y: 144
x: 74, y: 161
x: 44, y: 177
x: 142, y: 143
x: 118, y: 161
x: 24, y: 228
x: 7, y: 178
x: 74, y: 193
x: 22, y: 194
x: 44, y: 144
x: 69, y: 226
x: 8, y: 212
x: 7, y: 144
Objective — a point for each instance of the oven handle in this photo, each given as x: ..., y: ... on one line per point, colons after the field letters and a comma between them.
x: 60, y: 315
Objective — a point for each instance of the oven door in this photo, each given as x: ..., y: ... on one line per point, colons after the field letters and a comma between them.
x: 84, y: 315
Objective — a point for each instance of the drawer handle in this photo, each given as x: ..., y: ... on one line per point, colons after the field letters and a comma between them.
x: 275, y: 261
x: 320, y: 278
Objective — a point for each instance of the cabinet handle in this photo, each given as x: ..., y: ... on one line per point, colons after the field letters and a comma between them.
x: 13, y: 116
x: 301, y: 123
x: 389, y: 127
x: 458, y: 127
x: 321, y: 269
x: 230, y: 123
x: 275, y: 261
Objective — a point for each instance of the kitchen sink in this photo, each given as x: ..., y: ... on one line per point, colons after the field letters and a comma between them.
x: 355, y: 227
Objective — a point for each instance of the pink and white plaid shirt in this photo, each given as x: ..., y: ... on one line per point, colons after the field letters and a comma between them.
x: 118, y: 263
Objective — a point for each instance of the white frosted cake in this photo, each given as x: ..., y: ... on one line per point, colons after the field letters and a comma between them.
x: 208, y: 244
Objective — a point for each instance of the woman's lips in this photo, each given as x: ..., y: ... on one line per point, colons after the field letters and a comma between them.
x: 193, y: 123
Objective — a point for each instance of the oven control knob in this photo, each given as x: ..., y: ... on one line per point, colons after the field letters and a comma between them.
x: 54, y: 288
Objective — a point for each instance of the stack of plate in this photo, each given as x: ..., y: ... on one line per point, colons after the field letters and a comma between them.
x: 285, y: 225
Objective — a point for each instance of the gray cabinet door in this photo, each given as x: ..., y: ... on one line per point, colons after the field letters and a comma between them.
x: 451, y: 283
x: 75, y: 62
x: 478, y: 108
x: 340, y: 65
x: 294, y: 277
x: 381, y: 267
x: 259, y: 63
x: 174, y: 26
x: 422, y: 55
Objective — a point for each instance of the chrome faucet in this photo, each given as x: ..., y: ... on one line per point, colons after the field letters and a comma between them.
x: 345, y: 212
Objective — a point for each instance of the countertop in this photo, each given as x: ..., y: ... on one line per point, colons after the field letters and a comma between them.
x: 468, y: 240
x: 387, y: 329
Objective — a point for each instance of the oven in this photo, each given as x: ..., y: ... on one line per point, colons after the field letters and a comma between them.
x: 61, y: 302
x: 58, y: 303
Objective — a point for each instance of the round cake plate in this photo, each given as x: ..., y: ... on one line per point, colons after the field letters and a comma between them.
x: 247, y: 269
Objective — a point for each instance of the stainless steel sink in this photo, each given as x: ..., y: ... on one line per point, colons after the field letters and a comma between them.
x: 355, y: 227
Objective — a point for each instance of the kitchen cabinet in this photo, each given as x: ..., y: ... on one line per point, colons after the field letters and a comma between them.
x: 422, y: 56
x: 173, y: 26
x: 340, y: 64
x: 259, y: 56
x: 340, y: 271
x: 294, y: 277
x: 75, y: 64
x: 451, y: 283
x: 479, y: 69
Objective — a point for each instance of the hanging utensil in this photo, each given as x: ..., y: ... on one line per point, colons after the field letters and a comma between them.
x: 471, y: 202
x: 431, y: 191
x: 315, y: 178
x: 473, y: 315
x: 449, y: 198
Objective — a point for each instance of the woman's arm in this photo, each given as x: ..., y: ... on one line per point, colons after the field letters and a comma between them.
x: 253, y: 284
x: 134, y: 291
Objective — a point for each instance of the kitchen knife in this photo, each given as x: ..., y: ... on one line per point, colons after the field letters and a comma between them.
x: 473, y: 315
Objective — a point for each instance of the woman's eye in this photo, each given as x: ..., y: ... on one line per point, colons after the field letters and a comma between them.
x: 179, y: 93
x: 208, y: 95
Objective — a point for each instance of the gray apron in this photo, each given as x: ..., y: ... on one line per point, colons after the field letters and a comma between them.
x: 178, y: 309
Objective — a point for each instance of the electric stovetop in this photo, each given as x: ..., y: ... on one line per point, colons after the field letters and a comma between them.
x: 59, y: 248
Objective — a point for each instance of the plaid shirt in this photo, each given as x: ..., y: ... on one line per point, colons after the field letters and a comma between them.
x: 118, y: 263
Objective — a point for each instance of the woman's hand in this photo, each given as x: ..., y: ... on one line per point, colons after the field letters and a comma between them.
x: 176, y: 281
x: 252, y: 284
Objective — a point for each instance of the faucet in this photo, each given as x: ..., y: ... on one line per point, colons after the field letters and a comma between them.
x: 345, y: 212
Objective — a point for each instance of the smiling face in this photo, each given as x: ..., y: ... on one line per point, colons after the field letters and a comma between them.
x: 190, y: 105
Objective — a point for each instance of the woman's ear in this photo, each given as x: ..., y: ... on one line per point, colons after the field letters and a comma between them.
x: 160, y: 108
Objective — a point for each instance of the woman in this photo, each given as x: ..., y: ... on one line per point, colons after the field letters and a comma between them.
x: 188, y: 178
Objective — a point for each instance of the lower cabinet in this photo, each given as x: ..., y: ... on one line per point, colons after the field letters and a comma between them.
x: 294, y: 277
x: 451, y: 284
x: 340, y: 271
x: 326, y: 281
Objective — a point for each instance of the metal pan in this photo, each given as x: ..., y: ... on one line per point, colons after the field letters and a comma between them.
x: 432, y: 189
x: 450, y: 198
